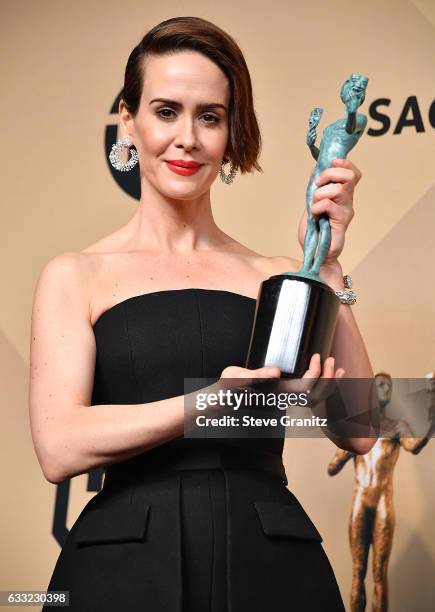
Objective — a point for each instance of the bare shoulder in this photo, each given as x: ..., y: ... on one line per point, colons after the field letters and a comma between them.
x: 271, y: 264
x: 283, y: 263
x: 65, y: 278
x: 70, y: 261
x: 69, y: 267
x: 268, y: 265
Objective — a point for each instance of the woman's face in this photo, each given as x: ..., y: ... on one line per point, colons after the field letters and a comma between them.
x: 182, y: 116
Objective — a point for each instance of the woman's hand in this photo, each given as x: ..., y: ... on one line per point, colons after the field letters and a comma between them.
x: 324, y: 382
x: 236, y: 378
x: 311, y: 377
x: 329, y: 371
x: 334, y: 196
x: 247, y: 375
x: 314, y: 370
x: 307, y: 381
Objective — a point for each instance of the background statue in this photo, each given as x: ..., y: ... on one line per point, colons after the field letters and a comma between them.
x: 372, y: 513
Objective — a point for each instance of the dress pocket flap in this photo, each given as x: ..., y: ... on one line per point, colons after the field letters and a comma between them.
x: 279, y: 519
x: 126, y: 523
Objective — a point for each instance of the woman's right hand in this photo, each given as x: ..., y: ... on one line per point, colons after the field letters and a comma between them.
x: 306, y: 382
x: 313, y: 372
x: 239, y: 372
x: 238, y: 378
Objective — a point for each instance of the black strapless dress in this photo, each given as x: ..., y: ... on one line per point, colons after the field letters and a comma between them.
x: 193, y: 525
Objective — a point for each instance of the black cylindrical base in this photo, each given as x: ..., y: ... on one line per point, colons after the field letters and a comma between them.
x: 295, y: 317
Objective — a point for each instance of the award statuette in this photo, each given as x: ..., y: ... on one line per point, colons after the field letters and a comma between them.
x: 296, y: 312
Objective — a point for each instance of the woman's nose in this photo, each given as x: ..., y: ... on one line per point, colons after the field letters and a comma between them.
x: 186, y: 135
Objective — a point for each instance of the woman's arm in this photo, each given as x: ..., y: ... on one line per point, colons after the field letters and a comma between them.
x: 70, y: 436
x: 350, y: 353
x: 86, y: 437
x: 348, y: 347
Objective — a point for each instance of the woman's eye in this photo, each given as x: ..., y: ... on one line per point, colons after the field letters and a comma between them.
x: 164, y: 110
x: 214, y: 119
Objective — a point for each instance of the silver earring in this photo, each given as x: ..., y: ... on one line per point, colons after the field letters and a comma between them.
x: 227, y: 178
x: 116, y: 149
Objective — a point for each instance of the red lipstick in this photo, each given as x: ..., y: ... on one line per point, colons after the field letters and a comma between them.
x: 183, y: 167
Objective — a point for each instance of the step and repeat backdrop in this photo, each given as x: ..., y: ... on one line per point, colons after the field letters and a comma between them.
x: 63, y: 68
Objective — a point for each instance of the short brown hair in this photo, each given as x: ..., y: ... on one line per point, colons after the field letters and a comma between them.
x: 195, y: 33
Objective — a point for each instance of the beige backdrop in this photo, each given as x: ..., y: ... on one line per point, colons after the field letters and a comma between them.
x: 63, y: 66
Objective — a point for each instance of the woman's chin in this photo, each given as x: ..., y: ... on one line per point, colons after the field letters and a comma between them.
x: 187, y: 192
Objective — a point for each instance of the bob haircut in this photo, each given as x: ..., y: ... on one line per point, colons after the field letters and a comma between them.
x: 195, y: 33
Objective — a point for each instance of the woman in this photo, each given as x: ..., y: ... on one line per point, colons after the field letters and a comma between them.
x: 181, y: 523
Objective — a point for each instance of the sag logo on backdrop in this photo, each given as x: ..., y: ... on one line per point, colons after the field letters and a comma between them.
x: 410, y: 118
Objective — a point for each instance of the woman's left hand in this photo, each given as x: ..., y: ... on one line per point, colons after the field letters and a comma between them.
x: 334, y: 196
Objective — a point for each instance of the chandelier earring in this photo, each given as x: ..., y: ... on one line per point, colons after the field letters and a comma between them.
x: 118, y: 164
x: 227, y: 178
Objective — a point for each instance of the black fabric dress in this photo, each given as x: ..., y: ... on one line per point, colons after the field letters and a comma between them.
x: 193, y: 525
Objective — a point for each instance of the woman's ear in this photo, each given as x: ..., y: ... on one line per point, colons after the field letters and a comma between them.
x: 125, y: 119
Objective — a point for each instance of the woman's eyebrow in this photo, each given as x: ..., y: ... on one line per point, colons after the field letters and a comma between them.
x: 198, y: 106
